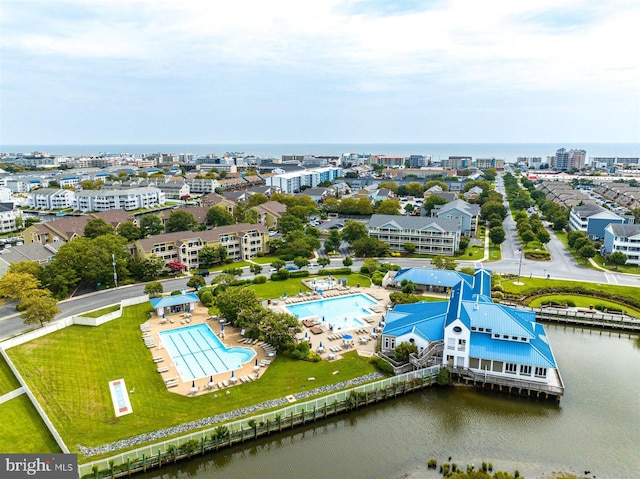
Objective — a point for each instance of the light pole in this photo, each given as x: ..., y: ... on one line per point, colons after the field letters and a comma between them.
x: 115, y: 274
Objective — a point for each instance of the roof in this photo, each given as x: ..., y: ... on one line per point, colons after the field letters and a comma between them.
x: 425, y: 318
x: 412, y: 222
x: 459, y: 205
x: 536, y: 353
x: 592, y: 209
x: 625, y: 231
x: 273, y: 207
x: 435, y: 277
x: 174, y: 300
x: 206, y: 236
x: 37, y: 252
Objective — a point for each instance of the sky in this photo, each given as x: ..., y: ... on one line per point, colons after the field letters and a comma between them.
x: 322, y: 71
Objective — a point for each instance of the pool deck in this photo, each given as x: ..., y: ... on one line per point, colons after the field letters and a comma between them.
x: 364, y: 341
x: 160, y: 358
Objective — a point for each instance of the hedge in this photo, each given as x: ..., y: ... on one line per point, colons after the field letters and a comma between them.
x: 299, y: 274
x: 335, y: 271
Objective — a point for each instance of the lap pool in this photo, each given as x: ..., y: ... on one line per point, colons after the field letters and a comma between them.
x: 197, y: 353
x: 343, y: 313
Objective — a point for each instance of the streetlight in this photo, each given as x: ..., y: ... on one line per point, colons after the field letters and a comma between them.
x: 115, y: 274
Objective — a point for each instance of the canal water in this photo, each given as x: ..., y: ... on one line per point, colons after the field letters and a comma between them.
x: 595, y: 427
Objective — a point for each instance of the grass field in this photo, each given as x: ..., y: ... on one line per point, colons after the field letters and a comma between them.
x: 22, y: 430
x: 8, y: 381
x: 69, y: 370
x: 275, y: 289
x: 532, y: 285
x: 629, y: 269
x: 583, y: 302
x: 494, y: 252
x: 265, y: 259
x: 101, y: 312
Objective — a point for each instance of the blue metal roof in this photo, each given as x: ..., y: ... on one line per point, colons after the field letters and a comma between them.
x: 435, y: 277
x: 175, y: 300
x: 536, y: 353
x: 426, y: 318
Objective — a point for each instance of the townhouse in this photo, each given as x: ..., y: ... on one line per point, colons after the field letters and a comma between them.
x: 126, y: 199
x: 51, y: 199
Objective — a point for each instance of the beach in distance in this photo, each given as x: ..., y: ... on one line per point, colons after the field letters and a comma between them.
x: 507, y: 151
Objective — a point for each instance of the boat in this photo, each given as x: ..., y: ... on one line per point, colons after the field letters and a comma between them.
x: 60, y: 213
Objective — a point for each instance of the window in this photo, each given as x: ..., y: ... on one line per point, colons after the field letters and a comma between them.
x: 480, y: 329
x: 525, y: 370
x: 523, y: 339
x: 473, y: 328
x: 451, y: 343
x: 457, y: 329
x: 510, y: 368
x: 488, y: 330
x: 541, y: 372
x: 462, y: 343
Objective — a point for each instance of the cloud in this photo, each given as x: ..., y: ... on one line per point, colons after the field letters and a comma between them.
x: 355, y: 50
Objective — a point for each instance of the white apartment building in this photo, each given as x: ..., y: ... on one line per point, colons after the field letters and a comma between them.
x: 437, y: 236
x: 8, y: 214
x: 126, y: 199
x: 291, y: 182
x: 51, y: 199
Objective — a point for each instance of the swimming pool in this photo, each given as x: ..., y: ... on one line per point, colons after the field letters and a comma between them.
x: 343, y: 313
x: 197, y: 353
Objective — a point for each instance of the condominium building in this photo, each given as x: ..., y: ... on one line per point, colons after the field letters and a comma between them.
x: 51, y: 199
x: 242, y: 241
x: 592, y: 219
x: 625, y: 239
x: 436, y: 236
x: 486, y: 163
x: 568, y: 160
x: 127, y: 199
x: 291, y: 182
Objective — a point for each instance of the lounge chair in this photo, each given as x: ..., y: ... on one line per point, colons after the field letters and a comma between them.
x: 226, y: 383
x: 163, y: 369
x: 220, y: 385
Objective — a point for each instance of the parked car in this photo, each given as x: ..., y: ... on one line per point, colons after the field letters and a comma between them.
x: 203, y: 272
x: 291, y: 268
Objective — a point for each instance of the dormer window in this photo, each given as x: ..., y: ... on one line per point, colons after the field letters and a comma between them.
x: 457, y: 329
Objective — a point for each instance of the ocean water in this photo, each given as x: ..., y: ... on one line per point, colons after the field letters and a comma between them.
x: 507, y: 151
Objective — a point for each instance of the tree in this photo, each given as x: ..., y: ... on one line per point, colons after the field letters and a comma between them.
x: 497, y: 235
x: 332, y: 243
x: 442, y: 262
x: 233, y: 300
x: 30, y: 267
x: 324, y: 261
x: 129, y: 231
x: 543, y: 236
x: 218, y: 216
x: 181, y: 221
x: 278, y: 264
x: 347, y: 261
x: 432, y: 183
x: 587, y: 251
x: 370, y: 247
x: 39, y: 307
x: 177, y: 266
x: 150, y: 267
x: 526, y: 235
x: 491, y: 208
x: 289, y: 223
x: 196, y: 281
x: 390, y: 185
x: 301, y: 262
x: 13, y: 286
x: 209, y: 255
x: 414, y: 189
x: 255, y: 268
x: 432, y: 201
x: 97, y: 227
x: 256, y: 199
x: 409, y: 248
x: 389, y: 207
x: 354, y: 230
x: 91, y: 185
x: 617, y: 258
x: 31, y: 220
x: 404, y: 349
x: 150, y: 225
x: 409, y: 287
x: 153, y: 289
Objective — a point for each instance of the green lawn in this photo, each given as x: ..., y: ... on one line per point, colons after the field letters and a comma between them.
x: 583, y: 302
x: 101, y: 312
x: 275, y: 289
x: 532, y: 285
x: 629, y: 269
x: 8, y: 381
x: 235, y: 264
x: 265, y: 259
x: 22, y: 430
x: 69, y: 370
x: 494, y: 252
x: 562, y: 236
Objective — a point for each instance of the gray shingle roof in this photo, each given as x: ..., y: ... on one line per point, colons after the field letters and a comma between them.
x: 412, y: 222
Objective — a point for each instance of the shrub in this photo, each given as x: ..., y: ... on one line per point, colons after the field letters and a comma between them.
x: 432, y: 463
x: 207, y: 298
x: 299, y: 274
x: 382, y: 364
x: 260, y: 279
x: 335, y: 271
x: 444, y: 377
x: 176, y: 292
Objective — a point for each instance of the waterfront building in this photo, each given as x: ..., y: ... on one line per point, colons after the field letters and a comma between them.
x: 475, y: 336
x: 8, y: 215
x: 175, y: 189
x: 436, y: 236
x: 568, y: 160
x: 487, y: 163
